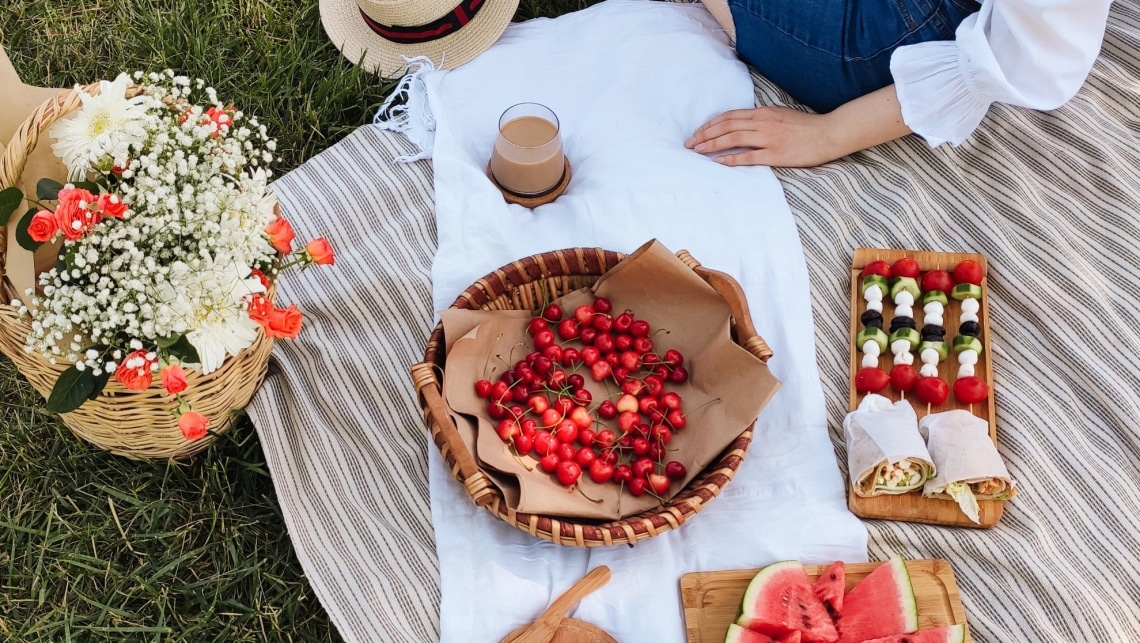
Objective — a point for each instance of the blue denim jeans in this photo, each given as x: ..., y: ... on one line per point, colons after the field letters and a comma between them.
x: 827, y: 52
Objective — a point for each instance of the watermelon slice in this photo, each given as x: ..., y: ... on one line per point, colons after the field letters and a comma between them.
x: 829, y: 588
x: 949, y: 634
x: 737, y: 634
x: 882, y: 604
x: 780, y: 601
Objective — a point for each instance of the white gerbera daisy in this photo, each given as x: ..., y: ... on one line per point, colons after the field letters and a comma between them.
x: 105, y: 126
x: 218, y: 324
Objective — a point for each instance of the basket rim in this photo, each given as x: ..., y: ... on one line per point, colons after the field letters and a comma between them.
x: 569, y: 531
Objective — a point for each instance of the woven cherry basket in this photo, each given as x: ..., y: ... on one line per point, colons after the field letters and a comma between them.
x: 525, y: 285
x: 138, y: 424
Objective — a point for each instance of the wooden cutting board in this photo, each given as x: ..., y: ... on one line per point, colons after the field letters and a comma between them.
x: 912, y: 507
x: 712, y: 599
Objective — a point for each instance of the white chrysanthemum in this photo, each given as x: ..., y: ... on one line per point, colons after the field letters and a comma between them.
x: 105, y: 126
x: 213, y: 300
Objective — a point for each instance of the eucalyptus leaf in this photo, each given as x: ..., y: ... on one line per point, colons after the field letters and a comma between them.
x: 89, y: 186
x: 184, y: 351
x: 71, y: 390
x: 167, y: 342
x: 65, y: 260
x: 22, y: 237
x: 9, y: 200
x: 48, y: 189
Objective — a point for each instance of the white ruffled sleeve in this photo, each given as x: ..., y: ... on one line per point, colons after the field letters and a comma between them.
x: 1029, y: 53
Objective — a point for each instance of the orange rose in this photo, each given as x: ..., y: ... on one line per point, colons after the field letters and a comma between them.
x: 258, y: 308
x: 284, y: 322
x: 111, y: 205
x: 42, y: 227
x: 320, y: 252
x: 193, y: 425
x: 281, y: 235
x: 262, y: 277
x: 134, y: 371
x: 173, y: 379
x: 73, y: 216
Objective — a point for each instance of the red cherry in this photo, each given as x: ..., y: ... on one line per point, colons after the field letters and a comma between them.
x: 609, y: 456
x: 550, y: 417
x: 570, y: 357
x: 542, y: 339
x: 632, y: 387
x: 557, y: 378
x: 623, y: 322
x: 881, y: 268
x: 600, y: 370
x: 602, y: 305
x: 516, y: 411
x: 585, y: 457
x: 581, y: 417
x: 586, y: 437
x: 483, y: 388
x: 871, y: 380
x: 676, y: 419
x: 661, y: 434
x: 537, y: 325
x: 656, y: 451
x: 637, y: 486
x: 583, y: 397
x: 524, y: 443
x: 544, y: 443
x: 568, y: 329
x: 970, y: 390
x: 496, y: 410
x: 575, y: 380
x: 937, y: 280
x: 932, y: 390
x: 647, y: 405
x: 905, y: 267
x: 565, y: 451
x: 673, y: 358
x: 643, y: 345
x: 627, y: 420
x: 508, y: 377
x: 612, y: 358
x: 543, y: 364
x: 642, y: 467
x: 588, y: 335
x: 584, y: 314
x: 607, y: 410
x: 604, y: 342
x: 630, y: 360
x: 655, y: 385
x: 528, y: 427
x: 675, y: 470
x: 623, y: 342
x: 508, y: 428
x: 568, y: 473
x: 622, y: 473
x: 659, y: 483
x: 969, y: 272
x: 640, y: 446
x: 563, y: 405
x: 639, y: 328
x: 605, y: 437
x: 552, y: 313
x: 621, y: 373
x: 519, y: 393
x: 548, y: 463
x: 679, y: 375
x: 600, y: 472
x: 669, y: 400
x: 603, y: 322
x: 590, y: 355
x: 903, y: 378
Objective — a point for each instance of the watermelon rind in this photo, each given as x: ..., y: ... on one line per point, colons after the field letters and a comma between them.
x: 760, y: 580
x: 907, y: 602
x: 737, y: 634
x: 823, y: 629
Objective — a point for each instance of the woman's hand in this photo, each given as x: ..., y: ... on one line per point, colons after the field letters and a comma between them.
x: 775, y: 136
x: 784, y: 137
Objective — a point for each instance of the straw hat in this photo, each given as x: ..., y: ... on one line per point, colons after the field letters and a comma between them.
x: 382, y: 32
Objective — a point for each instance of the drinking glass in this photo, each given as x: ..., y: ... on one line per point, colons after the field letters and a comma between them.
x: 527, y: 159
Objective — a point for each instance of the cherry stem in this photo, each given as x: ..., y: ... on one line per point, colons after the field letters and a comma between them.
x: 487, y: 361
x: 519, y: 459
x: 712, y: 401
x: 597, y: 501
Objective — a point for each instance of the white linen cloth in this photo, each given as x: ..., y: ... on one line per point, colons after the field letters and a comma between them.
x: 630, y: 80
x: 1029, y: 53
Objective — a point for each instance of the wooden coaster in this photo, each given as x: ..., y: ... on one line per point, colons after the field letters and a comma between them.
x: 571, y: 630
x: 534, y: 200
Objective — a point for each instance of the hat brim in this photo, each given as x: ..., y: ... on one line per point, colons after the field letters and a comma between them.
x: 348, y: 31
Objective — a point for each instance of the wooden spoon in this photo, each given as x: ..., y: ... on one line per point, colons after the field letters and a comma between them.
x: 543, y: 629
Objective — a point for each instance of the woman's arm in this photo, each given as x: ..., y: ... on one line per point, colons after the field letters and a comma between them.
x: 784, y: 137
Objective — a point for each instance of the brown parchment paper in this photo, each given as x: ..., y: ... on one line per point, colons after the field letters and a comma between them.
x: 19, y: 101
x: 656, y: 287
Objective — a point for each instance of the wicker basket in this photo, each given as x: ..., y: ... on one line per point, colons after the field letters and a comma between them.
x: 522, y: 285
x: 137, y: 424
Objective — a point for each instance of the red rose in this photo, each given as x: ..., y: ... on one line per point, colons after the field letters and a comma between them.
x: 320, y: 252
x: 134, y: 371
x: 111, y: 205
x: 174, y: 379
x: 281, y: 235
x: 258, y: 308
x: 43, y: 227
x: 284, y: 323
x: 73, y: 216
x: 193, y: 425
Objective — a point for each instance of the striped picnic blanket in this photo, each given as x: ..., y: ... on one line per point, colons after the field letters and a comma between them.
x: 1053, y: 200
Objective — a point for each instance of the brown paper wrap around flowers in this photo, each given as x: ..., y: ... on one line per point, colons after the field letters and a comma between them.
x: 726, y: 390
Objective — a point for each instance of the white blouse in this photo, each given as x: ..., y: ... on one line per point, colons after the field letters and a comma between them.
x: 1030, y: 53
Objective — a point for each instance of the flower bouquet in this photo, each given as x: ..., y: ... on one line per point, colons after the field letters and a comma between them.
x: 167, y: 243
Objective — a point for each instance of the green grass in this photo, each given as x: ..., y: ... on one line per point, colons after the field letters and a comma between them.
x: 95, y: 547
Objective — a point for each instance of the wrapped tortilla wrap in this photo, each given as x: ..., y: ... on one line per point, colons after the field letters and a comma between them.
x: 969, y: 465
x: 885, y: 453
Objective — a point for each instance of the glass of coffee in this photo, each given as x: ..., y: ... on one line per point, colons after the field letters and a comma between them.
x: 528, y: 158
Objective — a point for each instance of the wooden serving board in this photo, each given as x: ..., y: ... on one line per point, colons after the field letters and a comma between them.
x: 712, y: 599
x: 912, y: 507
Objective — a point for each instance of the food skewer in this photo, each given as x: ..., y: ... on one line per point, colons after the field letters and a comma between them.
x: 968, y: 388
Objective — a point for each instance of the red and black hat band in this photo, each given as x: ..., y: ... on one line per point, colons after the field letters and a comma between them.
x: 447, y: 25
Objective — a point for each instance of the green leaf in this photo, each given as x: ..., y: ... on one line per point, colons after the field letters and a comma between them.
x: 22, y: 237
x: 65, y: 260
x: 184, y: 351
x: 9, y: 200
x: 71, y: 390
x: 48, y: 189
x: 167, y: 342
x: 88, y: 185
x: 100, y: 383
